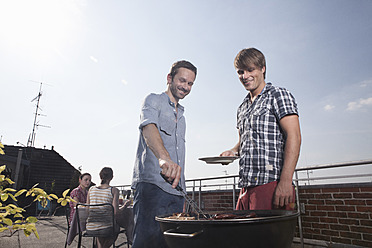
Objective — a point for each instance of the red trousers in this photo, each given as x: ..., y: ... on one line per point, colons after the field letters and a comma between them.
x: 260, y: 198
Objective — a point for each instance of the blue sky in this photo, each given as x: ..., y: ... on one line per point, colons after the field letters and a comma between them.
x: 99, y: 59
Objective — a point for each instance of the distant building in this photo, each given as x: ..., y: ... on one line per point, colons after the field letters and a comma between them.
x: 35, y: 165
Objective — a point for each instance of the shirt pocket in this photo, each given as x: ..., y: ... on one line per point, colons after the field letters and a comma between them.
x: 259, y: 118
x: 167, y: 124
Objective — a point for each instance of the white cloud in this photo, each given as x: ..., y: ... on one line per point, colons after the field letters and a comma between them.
x: 366, y: 83
x: 352, y: 106
x: 93, y: 59
x: 328, y: 107
x: 124, y: 82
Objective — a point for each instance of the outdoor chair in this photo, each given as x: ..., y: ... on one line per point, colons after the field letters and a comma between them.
x: 98, y: 214
x: 67, y: 212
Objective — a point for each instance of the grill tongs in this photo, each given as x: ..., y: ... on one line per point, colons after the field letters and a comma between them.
x: 190, y: 201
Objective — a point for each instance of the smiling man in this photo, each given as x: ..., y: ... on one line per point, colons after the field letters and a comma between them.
x: 161, y: 148
x: 269, y: 138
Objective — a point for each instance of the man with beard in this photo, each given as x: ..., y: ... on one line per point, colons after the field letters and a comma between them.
x: 269, y: 138
x: 161, y: 148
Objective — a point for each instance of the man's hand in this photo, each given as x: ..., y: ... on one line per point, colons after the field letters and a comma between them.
x: 171, y: 170
x: 228, y: 153
x: 233, y: 151
x: 283, y: 194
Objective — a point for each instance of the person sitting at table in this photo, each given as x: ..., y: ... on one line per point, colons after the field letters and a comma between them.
x: 104, y: 193
x: 80, y: 193
x: 125, y: 219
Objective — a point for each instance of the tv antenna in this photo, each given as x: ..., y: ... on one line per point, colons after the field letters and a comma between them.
x: 32, y: 136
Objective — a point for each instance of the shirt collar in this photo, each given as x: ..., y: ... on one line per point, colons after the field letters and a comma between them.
x: 179, y: 106
x: 264, y: 90
x: 83, y: 190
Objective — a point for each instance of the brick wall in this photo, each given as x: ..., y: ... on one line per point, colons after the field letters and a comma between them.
x: 338, y: 213
x: 332, y: 213
x: 216, y: 200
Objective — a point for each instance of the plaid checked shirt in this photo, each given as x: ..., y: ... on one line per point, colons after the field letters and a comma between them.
x: 262, y: 140
x: 81, y: 194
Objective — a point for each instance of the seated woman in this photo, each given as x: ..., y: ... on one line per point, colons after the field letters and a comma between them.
x: 125, y: 219
x: 97, y: 224
x: 80, y: 193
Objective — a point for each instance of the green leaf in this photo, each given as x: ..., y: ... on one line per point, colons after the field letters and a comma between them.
x: 20, y: 192
x: 40, y: 191
x: 54, y: 196
x: 12, y: 205
x: 9, y: 189
x: 30, y: 227
x: 2, y: 229
x: 36, y: 234
x: 31, y: 219
x: 12, y: 196
x: 17, y: 227
x: 64, y: 203
x: 9, y: 180
x: 20, y: 210
x: 18, y: 215
x: 34, y: 186
x: 65, y: 193
x: 4, y: 197
x: 8, y: 222
x: 27, y: 233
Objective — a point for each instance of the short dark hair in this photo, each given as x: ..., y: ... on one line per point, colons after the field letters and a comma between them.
x: 248, y: 57
x: 182, y: 64
x: 106, y: 174
x: 83, y: 175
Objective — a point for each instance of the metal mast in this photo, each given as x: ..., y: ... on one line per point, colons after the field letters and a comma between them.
x: 31, y: 138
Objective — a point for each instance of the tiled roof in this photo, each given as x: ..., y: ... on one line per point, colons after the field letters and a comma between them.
x: 42, y: 166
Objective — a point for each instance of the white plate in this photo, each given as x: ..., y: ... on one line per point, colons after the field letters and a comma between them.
x: 219, y: 160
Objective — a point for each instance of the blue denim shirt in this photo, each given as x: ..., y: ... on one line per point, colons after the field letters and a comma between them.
x: 159, y: 110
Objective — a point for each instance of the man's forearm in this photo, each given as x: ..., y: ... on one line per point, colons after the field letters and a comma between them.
x: 291, y: 154
x: 236, y: 149
x: 153, y: 140
x: 233, y: 151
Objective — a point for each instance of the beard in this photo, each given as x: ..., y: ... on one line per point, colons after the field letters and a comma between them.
x: 178, y: 92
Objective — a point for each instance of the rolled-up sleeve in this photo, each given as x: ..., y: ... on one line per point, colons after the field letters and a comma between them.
x: 149, y: 111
